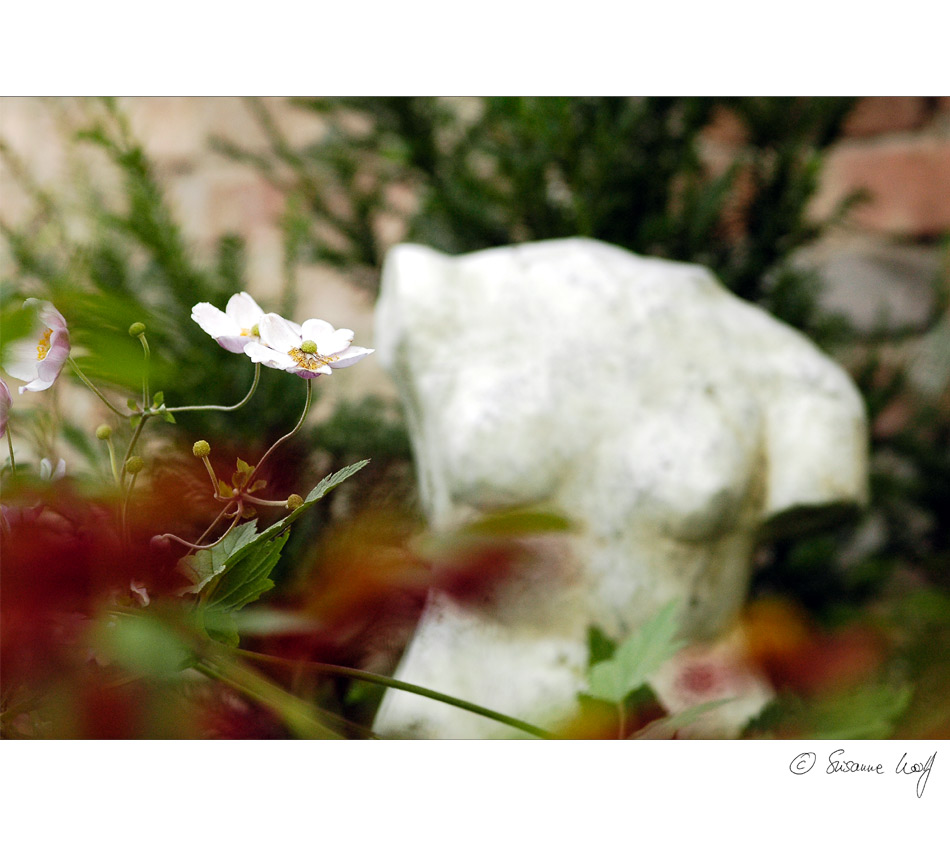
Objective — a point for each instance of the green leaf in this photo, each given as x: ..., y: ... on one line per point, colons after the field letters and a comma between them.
x: 133, y: 405
x: 331, y: 481
x: 167, y: 416
x: 134, y: 420
x: 206, y: 564
x: 158, y: 399
x: 637, y: 658
x: 868, y: 712
x: 606, y: 683
x: 246, y: 579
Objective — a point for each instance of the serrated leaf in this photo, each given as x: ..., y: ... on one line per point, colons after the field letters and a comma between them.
x: 242, y: 583
x: 206, y: 564
x: 224, y: 489
x: 246, y: 579
x: 637, y: 658
x: 331, y: 481
x: 244, y: 467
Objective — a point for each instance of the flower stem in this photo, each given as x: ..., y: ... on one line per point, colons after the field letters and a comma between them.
x: 271, y: 502
x: 115, y: 471
x: 389, y: 682
x: 303, y: 415
x: 212, y: 476
x: 145, y: 400
x: 125, y: 507
x: 92, y: 387
x: 197, y: 545
x: 135, y: 438
x: 12, y: 458
x: 241, y: 403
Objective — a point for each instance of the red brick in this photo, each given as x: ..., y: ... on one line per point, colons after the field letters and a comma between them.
x: 725, y: 128
x: 872, y: 116
x: 909, y: 182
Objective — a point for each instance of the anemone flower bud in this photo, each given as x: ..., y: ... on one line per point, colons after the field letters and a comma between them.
x: 201, y: 448
x: 136, y: 329
x: 103, y: 432
x: 134, y: 465
x: 294, y: 501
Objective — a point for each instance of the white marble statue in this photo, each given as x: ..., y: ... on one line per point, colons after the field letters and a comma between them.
x: 667, y: 418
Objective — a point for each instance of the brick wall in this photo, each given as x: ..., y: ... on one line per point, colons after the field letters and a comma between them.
x: 899, y: 149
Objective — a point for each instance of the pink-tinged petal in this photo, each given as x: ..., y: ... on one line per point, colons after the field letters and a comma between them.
x: 50, y: 316
x: 234, y: 343
x: 243, y: 310
x: 310, y: 375
x: 213, y: 321
x: 315, y: 329
x: 258, y: 352
x: 6, y: 401
x: 351, y: 356
x: 37, y: 385
x: 276, y: 332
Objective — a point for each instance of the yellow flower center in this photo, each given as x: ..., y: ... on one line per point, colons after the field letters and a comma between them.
x: 254, y: 330
x: 310, y: 361
x: 42, y: 349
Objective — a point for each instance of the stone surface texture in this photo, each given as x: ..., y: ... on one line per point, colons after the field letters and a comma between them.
x: 667, y: 418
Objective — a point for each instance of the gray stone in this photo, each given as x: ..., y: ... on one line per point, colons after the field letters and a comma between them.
x: 667, y: 418
x: 877, y: 285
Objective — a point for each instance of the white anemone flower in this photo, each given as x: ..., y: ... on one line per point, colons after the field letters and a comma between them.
x: 308, y: 350
x: 5, y: 403
x: 233, y: 328
x: 40, y: 356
